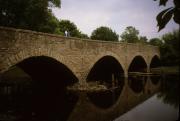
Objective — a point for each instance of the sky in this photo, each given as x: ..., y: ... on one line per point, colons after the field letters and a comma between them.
x: 88, y: 15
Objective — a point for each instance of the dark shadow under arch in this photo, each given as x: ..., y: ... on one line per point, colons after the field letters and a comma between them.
x: 45, y: 97
x: 108, y: 72
x: 155, y: 65
x: 155, y: 62
x: 138, y: 64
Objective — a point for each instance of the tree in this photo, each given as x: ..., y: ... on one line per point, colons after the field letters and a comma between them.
x: 51, y: 26
x: 82, y: 35
x: 143, y: 39
x: 26, y: 14
x: 164, y: 16
x: 104, y: 33
x: 170, y: 49
x: 156, y: 42
x: 130, y: 35
x: 66, y: 25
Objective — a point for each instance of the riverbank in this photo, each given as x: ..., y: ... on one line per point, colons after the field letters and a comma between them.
x: 170, y: 70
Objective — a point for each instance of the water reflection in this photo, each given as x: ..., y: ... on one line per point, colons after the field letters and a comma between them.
x: 137, y: 83
x: 170, y: 90
x: 155, y: 79
x: 27, y: 99
x: 19, y: 102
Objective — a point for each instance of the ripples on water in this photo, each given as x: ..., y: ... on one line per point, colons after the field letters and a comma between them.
x: 139, y: 99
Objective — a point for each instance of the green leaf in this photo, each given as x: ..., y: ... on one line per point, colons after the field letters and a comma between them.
x: 164, y: 17
x: 159, y: 16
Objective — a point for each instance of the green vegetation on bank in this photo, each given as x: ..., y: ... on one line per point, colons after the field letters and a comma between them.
x: 170, y: 70
x: 169, y: 48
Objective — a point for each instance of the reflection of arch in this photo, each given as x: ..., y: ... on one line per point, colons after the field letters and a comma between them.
x: 137, y: 83
x: 155, y: 79
x: 106, y: 71
x: 46, y: 97
x: 138, y: 64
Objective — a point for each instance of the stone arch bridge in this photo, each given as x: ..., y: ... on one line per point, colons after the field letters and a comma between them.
x: 78, y: 55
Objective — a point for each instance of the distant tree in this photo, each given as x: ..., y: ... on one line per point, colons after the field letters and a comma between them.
x: 130, y: 35
x: 164, y: 16
x: 26, y: 14
x: 82, y: 35
x: 104, y: 33
x: 66, y: 25
x: 170, y: 49
x: 156, y: 42
x: 143, y: 39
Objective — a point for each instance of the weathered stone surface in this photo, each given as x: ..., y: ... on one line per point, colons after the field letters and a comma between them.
x: 77, y: 54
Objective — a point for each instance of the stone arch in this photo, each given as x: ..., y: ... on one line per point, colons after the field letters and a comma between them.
x: 98, y: 57
x: 107, y: 71
x: 45, y: 94
x: 18, y: 57
x: 110, y: 59
x: 141, y: 60
x: 155, y: 61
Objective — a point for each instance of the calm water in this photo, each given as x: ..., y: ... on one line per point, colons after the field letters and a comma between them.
x: 153, y: 109
x: 162, y: 106
x: 136, y: 99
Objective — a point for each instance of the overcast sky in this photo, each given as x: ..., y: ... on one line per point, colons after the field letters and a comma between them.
x: 116, y: 14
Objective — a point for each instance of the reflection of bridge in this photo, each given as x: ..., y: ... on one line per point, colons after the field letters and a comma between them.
x: 127, y: 100
x: 80, y: 56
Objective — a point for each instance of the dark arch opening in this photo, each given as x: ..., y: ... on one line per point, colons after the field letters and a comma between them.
x: 155, y: 65
x: 138, y: 64
x: 109, y: 73
x: 44, y: 96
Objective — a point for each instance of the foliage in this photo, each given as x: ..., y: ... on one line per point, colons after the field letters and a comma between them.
x: 156, y: 42
x: 164, y: 16
x: 35, y: 15
x: 130, y: 35
x: 104, y: 33
x: 82, y: 35
x: 143, y: 39
x: 169, y: 91
x: 27, y: 14
x: 170, y: 49
x: 66, y: 25
x: 51, y: 26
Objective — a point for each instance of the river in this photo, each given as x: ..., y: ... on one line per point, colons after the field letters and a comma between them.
x: 144, y: 98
